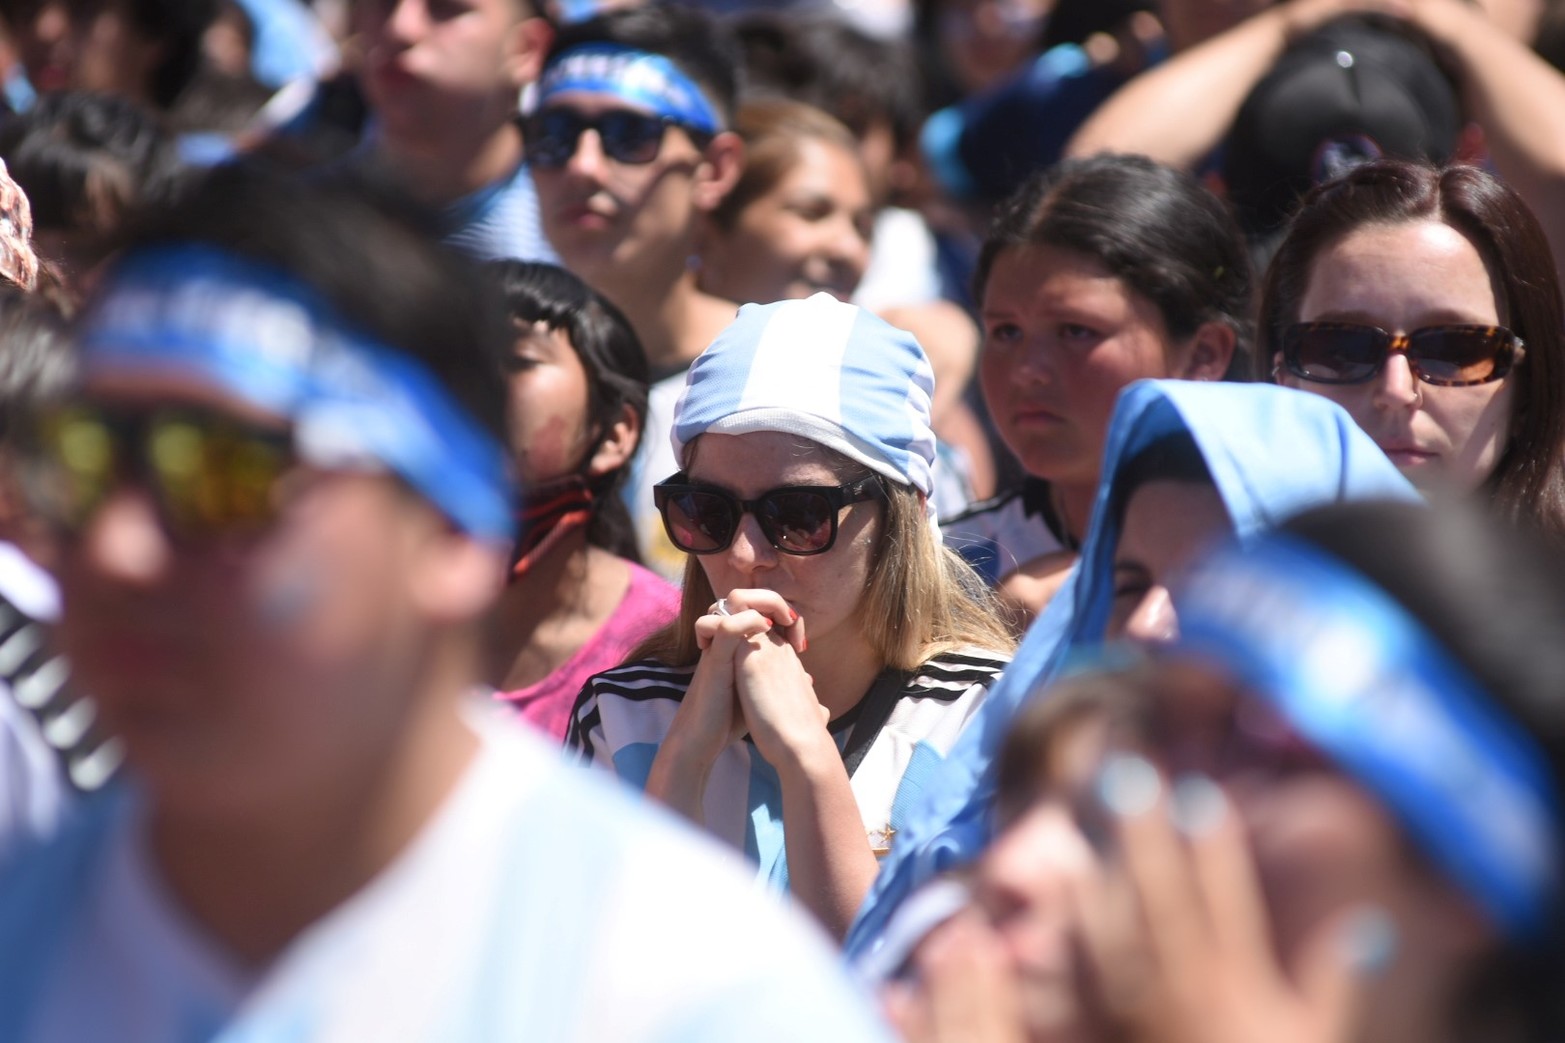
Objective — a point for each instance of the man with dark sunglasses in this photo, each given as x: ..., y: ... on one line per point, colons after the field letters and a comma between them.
x: 442, y: 79
x: 283, y: 511
x: 630, y: 148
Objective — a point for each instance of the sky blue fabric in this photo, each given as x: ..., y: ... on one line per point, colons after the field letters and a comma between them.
x: 651, y: 81
x: 820, y: 369
x: 1272, y: 453
x: 500, y: 221
x: 290, y: 42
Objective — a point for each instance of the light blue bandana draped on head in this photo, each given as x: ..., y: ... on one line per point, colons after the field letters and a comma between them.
x: 821, y: 369
x: 1272, y: 452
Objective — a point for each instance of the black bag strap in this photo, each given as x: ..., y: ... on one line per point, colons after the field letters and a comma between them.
x: 874, y: 711
x: 39, y: 680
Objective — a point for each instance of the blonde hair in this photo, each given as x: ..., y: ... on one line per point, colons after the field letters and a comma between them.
x: 922, y: 599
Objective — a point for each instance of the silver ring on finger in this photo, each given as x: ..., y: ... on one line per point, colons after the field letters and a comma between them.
x: 721, y: 608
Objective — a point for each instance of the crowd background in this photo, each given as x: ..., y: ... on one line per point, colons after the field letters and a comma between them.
x: 971, y: 324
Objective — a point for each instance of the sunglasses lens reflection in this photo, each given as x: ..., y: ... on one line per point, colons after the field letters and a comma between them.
x: 700, y: 522
x: 1333, y: 353
x: 794, y: 521
x: 206, y: 474
x: 553, y: 136
x: 1456, y: 355
x: 1339, y: 354
x: 798, y: 522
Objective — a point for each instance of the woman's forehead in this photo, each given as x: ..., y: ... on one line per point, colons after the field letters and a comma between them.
x: 760, y: 455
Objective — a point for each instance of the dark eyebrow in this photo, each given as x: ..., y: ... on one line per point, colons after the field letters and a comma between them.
x: 1131, y: 565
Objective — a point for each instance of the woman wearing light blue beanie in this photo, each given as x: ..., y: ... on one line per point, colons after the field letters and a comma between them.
x: 829, y: 650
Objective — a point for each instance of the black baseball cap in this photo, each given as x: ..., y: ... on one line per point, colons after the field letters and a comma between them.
x: 1356, y: 89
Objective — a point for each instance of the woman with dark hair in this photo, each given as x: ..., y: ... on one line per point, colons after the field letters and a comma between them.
x: 577, y: 600
x: 1425, y: 302
x: 1096, y: 273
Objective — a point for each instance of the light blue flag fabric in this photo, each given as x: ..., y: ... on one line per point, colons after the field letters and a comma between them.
x: 290, y: 42
x: 1272, y: 452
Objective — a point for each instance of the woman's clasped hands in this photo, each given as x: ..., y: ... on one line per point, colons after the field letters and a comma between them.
x: 750, y: 680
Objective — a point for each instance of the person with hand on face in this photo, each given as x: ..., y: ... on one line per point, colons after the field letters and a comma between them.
x: 1256, y: 833
x: 442, y: 80
x: 283, y: 509
x: 1096, y: 273
x: 1424, y: 301
x: 1344, y: 822
x: 577, y: 601
x: 1187, y: 464
x: 631, y: 148
x: 991, y: 958
x: 828, y: 649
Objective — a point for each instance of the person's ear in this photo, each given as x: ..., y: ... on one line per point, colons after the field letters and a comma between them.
x: 617, y: 445
x: 527, y: 45
x: 455, y: 578
x: 1280, y: 374
x: 721, y: 163
x: 1209, y: 352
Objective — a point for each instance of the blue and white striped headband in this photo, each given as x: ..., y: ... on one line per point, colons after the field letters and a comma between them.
x: 648, y: 81
x: 1364, y: 683
x: 821, y: 369
x: 268, y: 340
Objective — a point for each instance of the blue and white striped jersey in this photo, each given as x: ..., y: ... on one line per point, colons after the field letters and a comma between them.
x: 500, y: 222
x: 623, y: 714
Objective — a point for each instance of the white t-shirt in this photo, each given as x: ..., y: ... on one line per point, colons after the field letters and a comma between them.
x: 537, y: 904
x: 654, y: 463
x: 903, y: 264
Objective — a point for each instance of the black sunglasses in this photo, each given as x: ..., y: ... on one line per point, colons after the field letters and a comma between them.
x: 796, y: 519
x: 551, y: 135
x: 209, y: 474
x: 1445, y: 356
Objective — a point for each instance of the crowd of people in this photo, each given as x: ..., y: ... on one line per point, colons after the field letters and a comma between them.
x: 952, y: 521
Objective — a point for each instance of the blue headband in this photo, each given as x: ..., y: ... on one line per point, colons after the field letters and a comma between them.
x: 1363, y: 682
x: 263, y: 337
x: 638, y: 78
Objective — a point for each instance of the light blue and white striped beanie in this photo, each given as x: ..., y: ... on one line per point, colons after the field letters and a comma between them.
x: 821, y: 369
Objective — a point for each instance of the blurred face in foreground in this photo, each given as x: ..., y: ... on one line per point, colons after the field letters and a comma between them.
x: 249, y: 625
x: 90, y: 45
